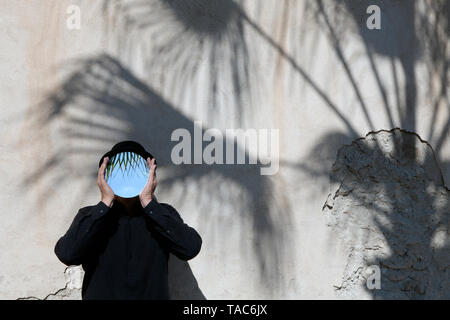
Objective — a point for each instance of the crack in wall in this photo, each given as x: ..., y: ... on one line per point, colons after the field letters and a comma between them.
x: 71, y: 290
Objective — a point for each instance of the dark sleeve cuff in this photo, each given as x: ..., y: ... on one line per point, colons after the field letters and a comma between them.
x: 99, y: 210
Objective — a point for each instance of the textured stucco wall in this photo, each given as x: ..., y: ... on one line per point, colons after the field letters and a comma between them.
x: 389, y: 209
x: 140, y: 69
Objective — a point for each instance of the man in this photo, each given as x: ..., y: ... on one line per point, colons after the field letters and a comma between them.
x: 123, y: 244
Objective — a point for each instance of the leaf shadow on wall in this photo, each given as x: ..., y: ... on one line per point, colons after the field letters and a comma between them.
x: 102, y: 93
x: 103, y: 102
x: 389, y: 202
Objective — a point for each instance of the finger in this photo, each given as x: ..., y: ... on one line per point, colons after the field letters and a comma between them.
x: 153, y: 168
x: 153, y: 164
x: 101, y: 172
x: 101, y: 168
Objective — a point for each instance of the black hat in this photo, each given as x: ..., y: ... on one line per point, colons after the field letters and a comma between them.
x: 126, y: 146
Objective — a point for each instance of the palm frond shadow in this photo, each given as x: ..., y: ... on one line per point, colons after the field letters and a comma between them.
x: 406, y: 49
x: 102, y: 88
x: 188, y: 36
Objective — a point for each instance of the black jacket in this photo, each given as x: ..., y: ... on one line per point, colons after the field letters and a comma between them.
x: 126, y: 256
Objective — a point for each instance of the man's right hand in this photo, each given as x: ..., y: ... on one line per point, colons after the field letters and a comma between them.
x: 105, y: 189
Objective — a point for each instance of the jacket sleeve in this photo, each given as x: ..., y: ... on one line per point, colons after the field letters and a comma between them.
x: 182, y: 240
x: 72, y: 247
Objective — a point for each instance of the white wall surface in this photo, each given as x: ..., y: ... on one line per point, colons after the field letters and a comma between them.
x: 140, y: 69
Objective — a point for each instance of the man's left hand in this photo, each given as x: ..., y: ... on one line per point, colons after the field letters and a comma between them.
x: 146, y: 194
